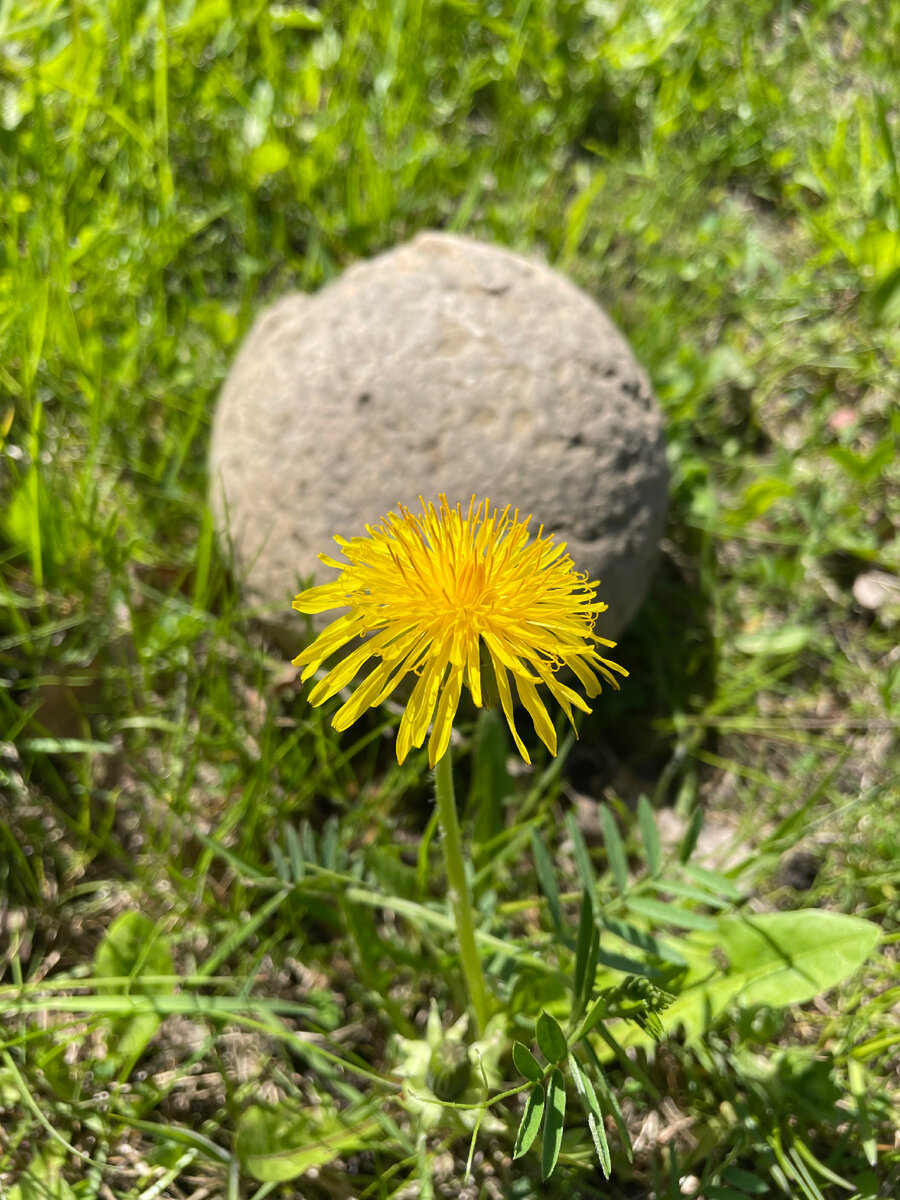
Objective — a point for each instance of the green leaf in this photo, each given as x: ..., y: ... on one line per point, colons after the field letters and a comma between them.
x: 278, y: 1144
x: 594, y: 1115
x: 860, y: 1090
x: 610, y: 1100
x: 42, y: 1180
x: 531, y: 1121
x: 713, y: 880
x: 590, y: 974
x: 688, y: 892
x: 553, y: 1126
x: 615, y: 848
x: 782, y: 641
x: 775, y: 958
x: 643, y: 940
x: 649, y: 834
x: 551, y: 1038
x: 543, y: 865
x: 752, y: 1184
x: 526, y: 1064
x: 885, y: 295
x: 582, y: 858
x: 757, y: 499
x: 268, y: 159
x: 674, y: 887
x: 864, y: 468
x: 491, y: 782
x: 594, y: 1014
x: 689, y: 841
x: 133, y: 948
x: 586, y: 933
x: 669, y: 914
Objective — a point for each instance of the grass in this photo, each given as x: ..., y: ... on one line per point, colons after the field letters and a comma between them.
x: 724, y: 179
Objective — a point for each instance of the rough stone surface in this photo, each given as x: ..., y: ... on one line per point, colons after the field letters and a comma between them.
x: 445, y: 365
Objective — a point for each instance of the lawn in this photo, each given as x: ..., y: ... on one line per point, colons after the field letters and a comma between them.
x: 226, y: 949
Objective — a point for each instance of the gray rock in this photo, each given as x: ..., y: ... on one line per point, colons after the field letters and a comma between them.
x: 445, y: 365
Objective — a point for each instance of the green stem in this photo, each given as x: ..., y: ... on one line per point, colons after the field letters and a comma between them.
x: 459, y: 890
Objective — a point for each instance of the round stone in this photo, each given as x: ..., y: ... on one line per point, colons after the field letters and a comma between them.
x: 442, y: 366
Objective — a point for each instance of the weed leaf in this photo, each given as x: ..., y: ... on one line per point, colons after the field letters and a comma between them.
x: 531, y: 1121
x: 526, y: 1064
x: 594, y: 1115
x: 543, y: 865
x: 586, y: 933
x: 650, y: 835
x: 553, y: 1127
x: 615, y: 848
x: 551, y: 1038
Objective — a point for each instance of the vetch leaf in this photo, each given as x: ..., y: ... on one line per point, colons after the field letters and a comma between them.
x: 611, y: 1101
x: 594, y: 1115
x: 628, y: 966
x: 643, y: 940
x: 553, y: 1125
x: 615, y: 848
x: 689, y: 841
x: 590, y: 974
x: 713, y: 880
x: 551, y: 1038
x: 586, y: 933
x: 543, y: 865
x: 526, y: 1064
x: 669, y: 914
x: 594, y: 1015
x: 649, y: 835
x: 686, y: 891
x: 582, y: 858
x: 531, y: 1121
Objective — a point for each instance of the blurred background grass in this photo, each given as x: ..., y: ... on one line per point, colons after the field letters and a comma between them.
x: 724, y: 179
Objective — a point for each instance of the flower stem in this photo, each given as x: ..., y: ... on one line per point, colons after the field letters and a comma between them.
x: 459, y: 890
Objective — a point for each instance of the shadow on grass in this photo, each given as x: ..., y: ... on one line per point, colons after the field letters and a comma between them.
x: 671, y: 656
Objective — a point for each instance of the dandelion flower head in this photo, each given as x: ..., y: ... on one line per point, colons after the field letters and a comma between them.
x: 457, y: 599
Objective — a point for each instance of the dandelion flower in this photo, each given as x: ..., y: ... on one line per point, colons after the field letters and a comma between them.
x: 457, y: 599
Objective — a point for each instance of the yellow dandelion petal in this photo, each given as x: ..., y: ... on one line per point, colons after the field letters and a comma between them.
x: 473, y: 668
x: 586, y: 676
x: 443, y: 721
x: 389, y: 645
x: 506, y: 704
x: 543, y: 726
x: 362, y: 698
x: 501, y: 653
x: 319, y: 599
x: 332, y: 638
x: 419, y: 710
x: 430, y: 592
x: 564, y: 696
